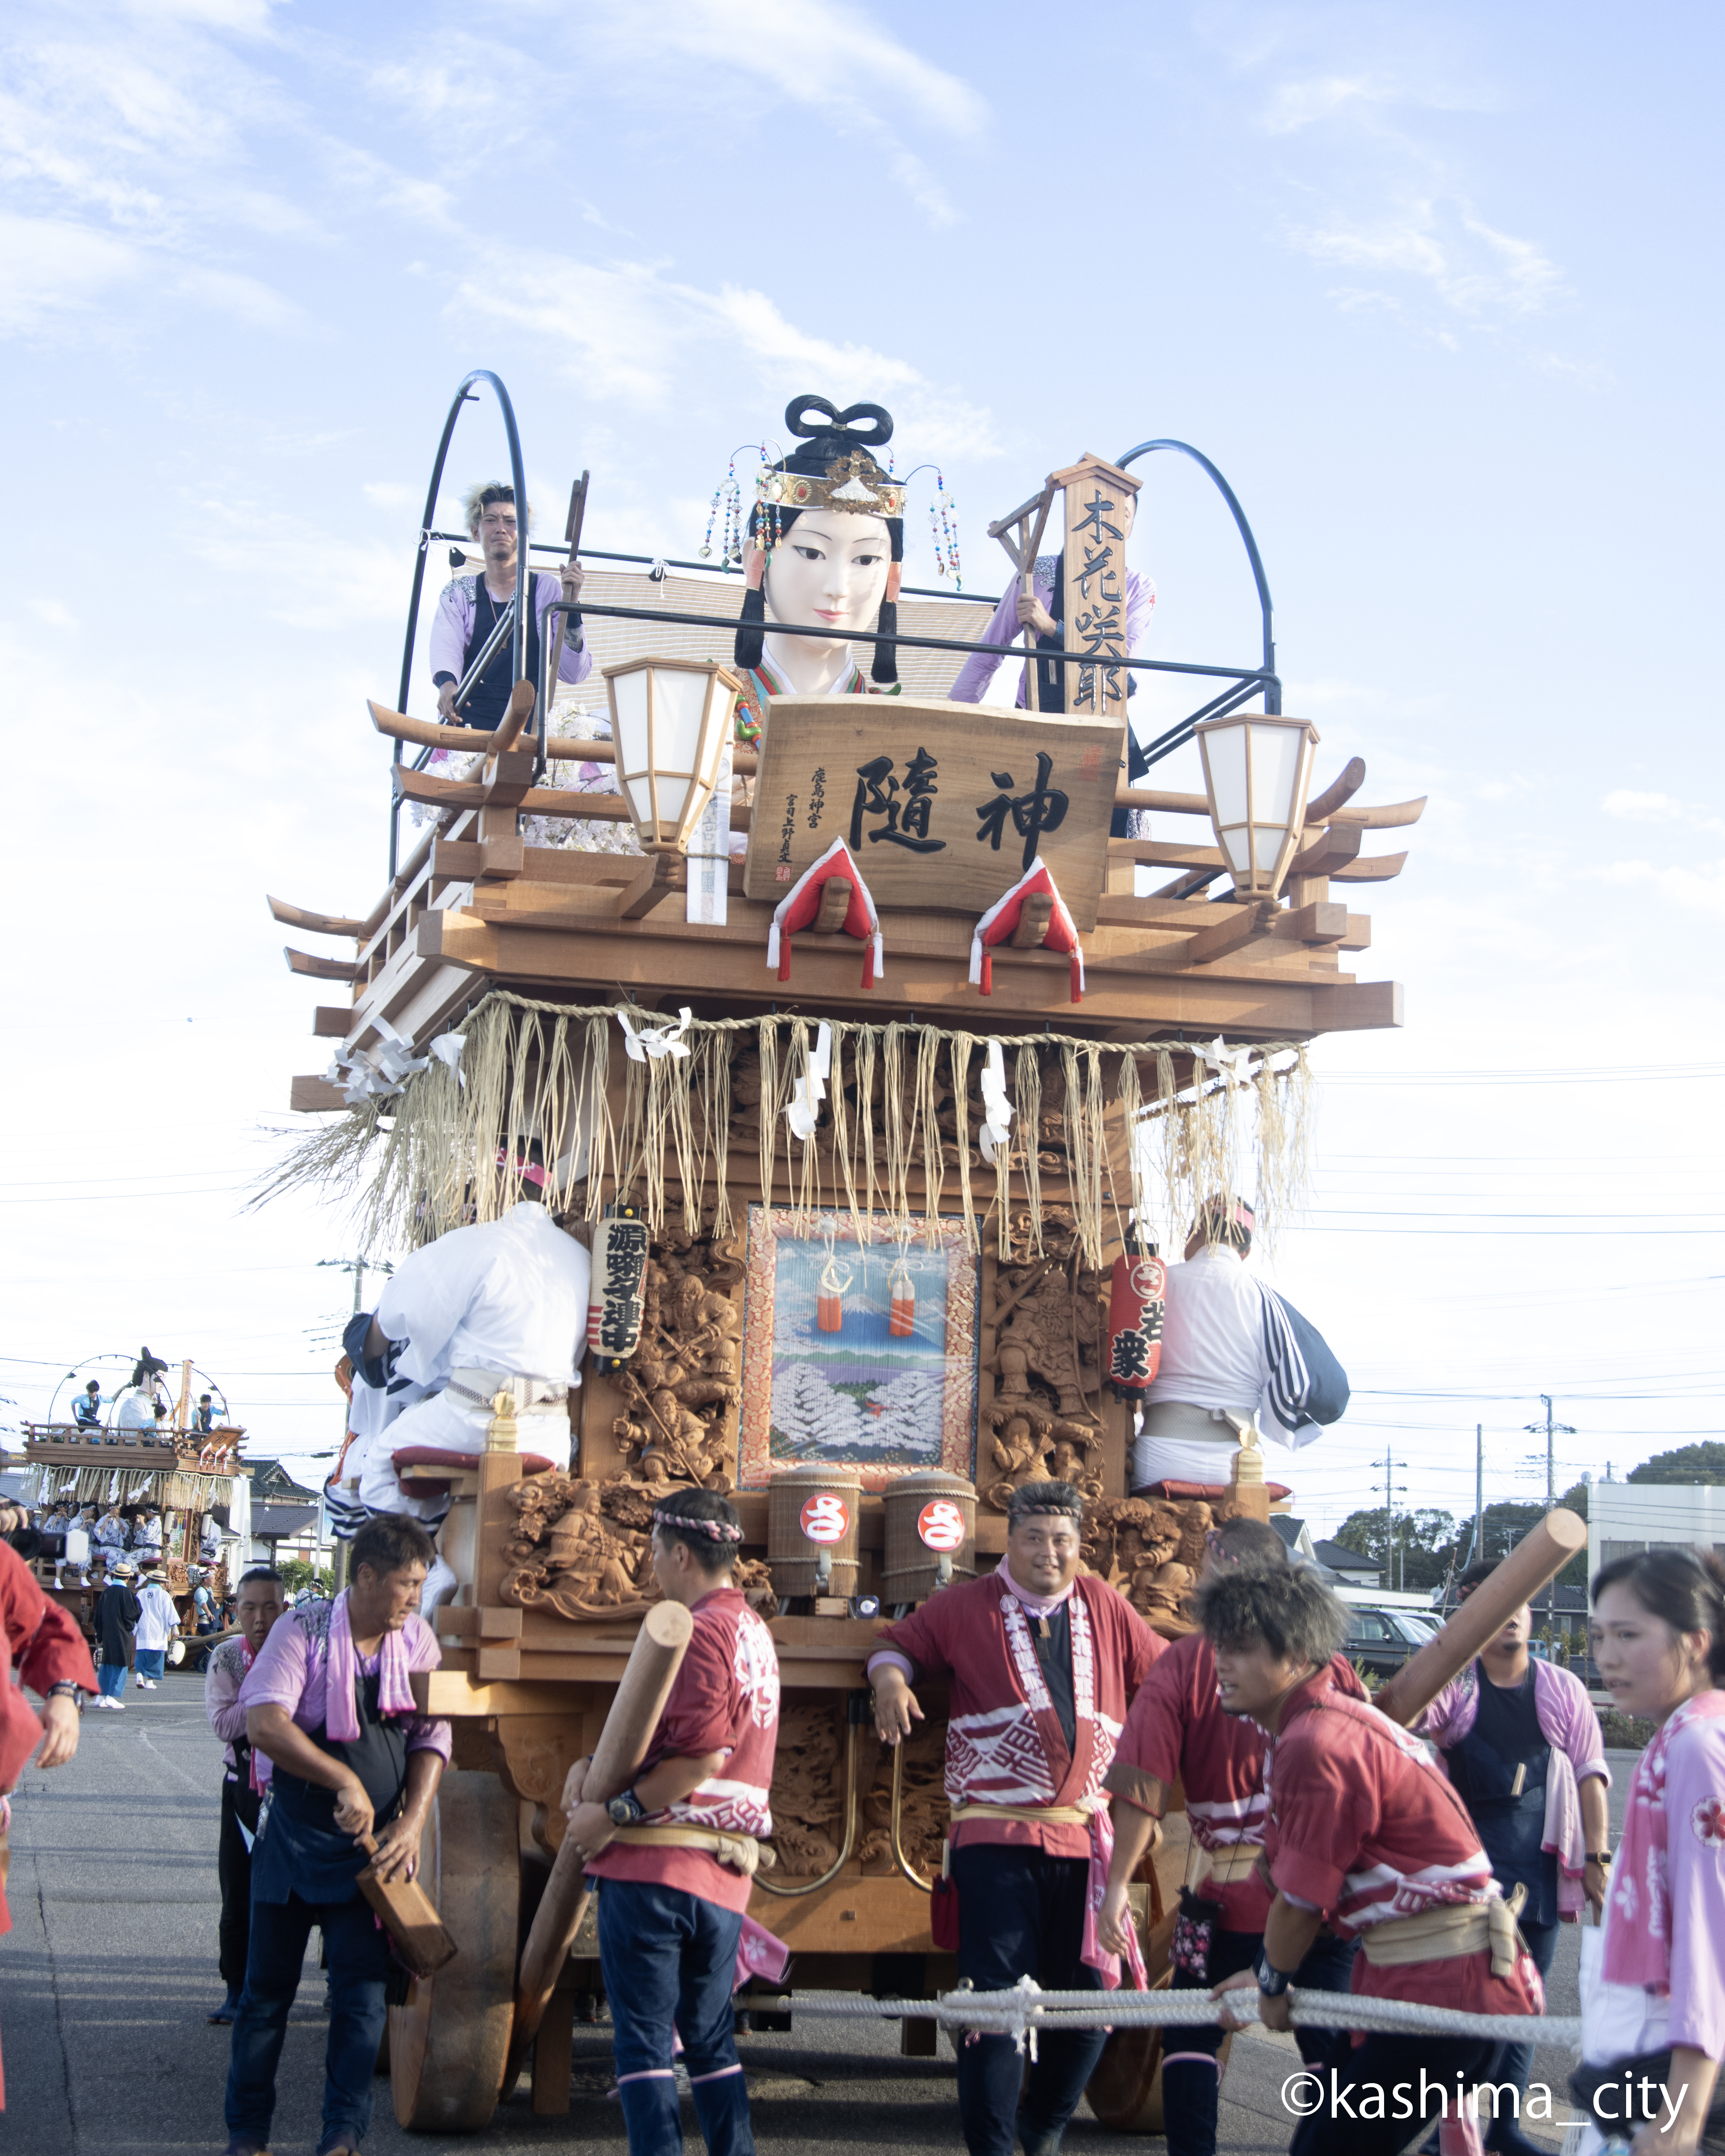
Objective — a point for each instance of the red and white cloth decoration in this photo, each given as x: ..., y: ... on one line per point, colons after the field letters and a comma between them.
x: 800, y: 905
x: 998, y: 925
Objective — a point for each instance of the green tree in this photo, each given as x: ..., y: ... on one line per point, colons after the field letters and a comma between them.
x: 298, y: 1574
x: 1689, y: 1463
x: 1414, y: 1549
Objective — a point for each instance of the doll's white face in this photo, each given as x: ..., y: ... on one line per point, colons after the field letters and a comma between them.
x: 829, y: 571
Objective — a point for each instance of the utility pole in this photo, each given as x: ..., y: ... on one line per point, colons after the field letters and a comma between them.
x: 1388, y: 1485
x: 1553, y: 1431
x: 1479, y: 1491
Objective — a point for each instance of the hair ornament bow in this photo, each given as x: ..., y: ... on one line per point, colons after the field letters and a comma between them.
x: 654, y: 1041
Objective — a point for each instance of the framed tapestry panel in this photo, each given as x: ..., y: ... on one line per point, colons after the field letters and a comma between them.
x: 856, y: 1355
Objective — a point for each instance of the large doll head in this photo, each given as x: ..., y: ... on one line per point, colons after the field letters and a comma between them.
x: 827, y: 533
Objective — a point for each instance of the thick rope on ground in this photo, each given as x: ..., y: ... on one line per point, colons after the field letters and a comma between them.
x: 1024, y: 2009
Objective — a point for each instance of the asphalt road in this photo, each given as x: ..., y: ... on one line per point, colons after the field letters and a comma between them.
x: 110, y: 1971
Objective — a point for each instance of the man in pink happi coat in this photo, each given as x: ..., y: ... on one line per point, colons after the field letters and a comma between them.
x: 1043, y: 1664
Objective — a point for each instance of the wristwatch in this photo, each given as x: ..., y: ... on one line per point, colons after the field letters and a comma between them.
x: 1271, y: 1981
x: 626, y: 1809
x: 66, y: 1689
x: 1601, y: 1856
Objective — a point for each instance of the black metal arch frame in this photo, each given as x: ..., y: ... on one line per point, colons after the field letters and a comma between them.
x: 1244, y: 682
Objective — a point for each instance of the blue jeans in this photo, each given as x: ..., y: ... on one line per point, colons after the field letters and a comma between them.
x: 111, y: 1677
x: 1190, y: 2082
x: 668, y: 1956
x: 1021, y: 1913
x: 152, y: 1661
x: 359, y: 1970
x: 1515, y: 2061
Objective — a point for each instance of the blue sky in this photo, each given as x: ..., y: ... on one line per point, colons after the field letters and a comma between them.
x: 1432, y: 284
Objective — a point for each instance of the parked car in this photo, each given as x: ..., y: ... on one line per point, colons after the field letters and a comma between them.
x: 1380, y: 1640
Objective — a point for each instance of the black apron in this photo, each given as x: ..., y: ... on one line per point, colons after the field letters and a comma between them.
x: 299, y: 1848
x: 490, y: 699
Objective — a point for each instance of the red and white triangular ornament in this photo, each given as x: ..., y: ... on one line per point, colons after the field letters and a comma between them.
x: 800, y: 905
x: 998, y: 924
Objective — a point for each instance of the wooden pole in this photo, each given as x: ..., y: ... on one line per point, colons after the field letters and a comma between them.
x: 572, y: 532
x: 653, y: 1662
x: 1540, y: 1556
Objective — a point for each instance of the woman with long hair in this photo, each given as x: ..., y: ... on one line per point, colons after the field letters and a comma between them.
x: 1653, y: 2011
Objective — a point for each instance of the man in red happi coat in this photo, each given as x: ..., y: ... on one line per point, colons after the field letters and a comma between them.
x: 1178, y: 1734
x: 44, y: 1645
x: 1365, y: 1834
x: 1043, y: 1664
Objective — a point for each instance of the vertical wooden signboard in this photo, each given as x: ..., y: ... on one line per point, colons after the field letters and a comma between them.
x: 1097, y: 498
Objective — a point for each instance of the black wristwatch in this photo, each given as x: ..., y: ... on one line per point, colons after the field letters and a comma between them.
x: 66, y: 1689
x: 1271, y: 1981
x: 1601, y: 1856
x: 626, y: 1810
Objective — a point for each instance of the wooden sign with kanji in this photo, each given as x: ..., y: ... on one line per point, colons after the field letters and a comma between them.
x: 944, y: 805
x: 1097, y: 498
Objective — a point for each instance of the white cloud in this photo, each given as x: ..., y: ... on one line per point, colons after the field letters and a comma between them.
x: 1468, y: 265
x: 52, y: 612
x: 814, y: 52
x: 49, y: 266
x: 1701, y: 889
x: 625, y: 330
x: 1657, y: 808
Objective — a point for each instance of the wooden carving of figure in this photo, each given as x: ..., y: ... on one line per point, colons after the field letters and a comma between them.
x: 806, y: 1800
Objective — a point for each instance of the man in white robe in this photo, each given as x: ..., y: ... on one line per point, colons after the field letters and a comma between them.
x: 497, y: 1307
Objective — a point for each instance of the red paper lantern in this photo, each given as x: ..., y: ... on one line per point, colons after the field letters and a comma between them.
x: 1137, y: 1292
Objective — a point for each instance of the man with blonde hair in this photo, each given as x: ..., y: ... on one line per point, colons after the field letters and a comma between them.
x: 469, y: 609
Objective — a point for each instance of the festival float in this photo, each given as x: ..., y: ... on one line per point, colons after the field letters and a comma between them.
x: 177, y: 1465
x: 871, y: 1080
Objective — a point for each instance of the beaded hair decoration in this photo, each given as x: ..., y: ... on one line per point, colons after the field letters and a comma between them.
x: 718, y: 1530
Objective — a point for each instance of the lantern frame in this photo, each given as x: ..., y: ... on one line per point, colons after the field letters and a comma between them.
x: 646, y: 761
x: 1241, y: 834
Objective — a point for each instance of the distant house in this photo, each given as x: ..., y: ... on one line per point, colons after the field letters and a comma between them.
x: 287, y: 1519
x: 1348, y: 1566
x: 1295, y: 1534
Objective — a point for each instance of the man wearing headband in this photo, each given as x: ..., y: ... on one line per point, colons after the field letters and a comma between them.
x: 1042, y: 1662
x: 1238, y: 1361
x: 500, y: 1306
x: 1178, y: 1734
x: 675, y: 1855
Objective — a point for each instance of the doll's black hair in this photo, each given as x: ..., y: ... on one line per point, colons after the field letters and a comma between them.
x: 824, y: 441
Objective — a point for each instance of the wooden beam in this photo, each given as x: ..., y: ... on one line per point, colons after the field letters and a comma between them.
x: 1327, y: 852
x: 649, y: 886
x: 1375, y: 868
x: 515, y: 716
x: 1320, y: 923
x: 428, y: 733
x: 1168, y: 804
x: 1250, y: 924
x: 313, y: 1096
x: 1034, y: 917
x: 1389, y: 817
x: 502, y: 855
x: 332, y: 1021
x: 835, y: 895
x: 320, y: 924
x: 1159, y: 855
x: 1362, y: 1006
x: 1353, y: 776
x: 460, y: 861
x: 321, y: 969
